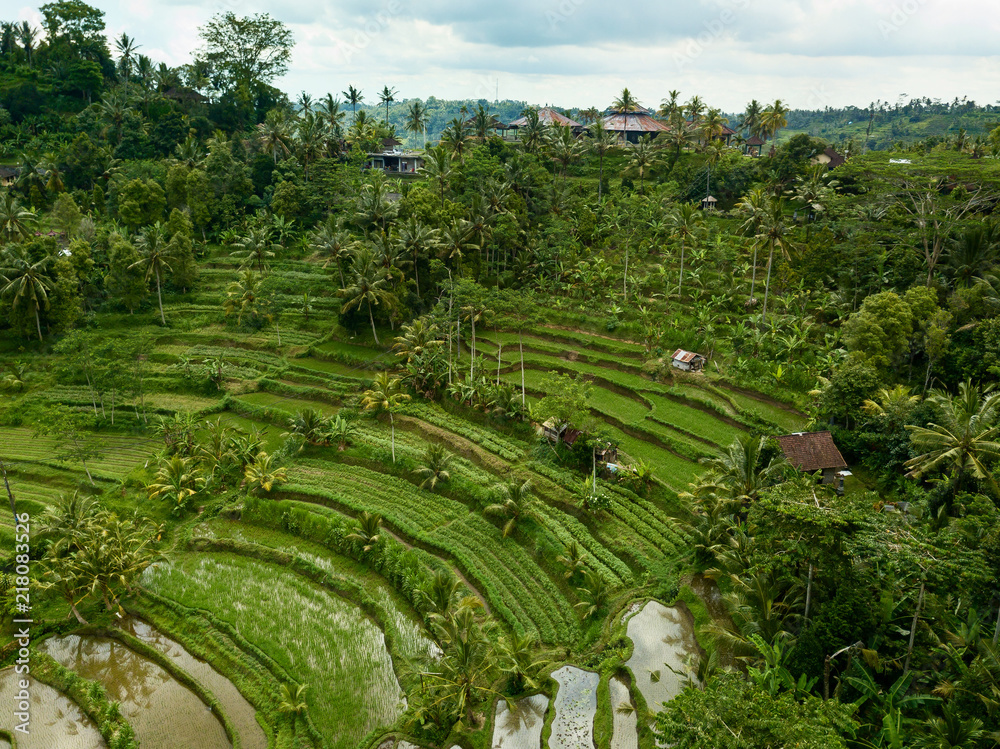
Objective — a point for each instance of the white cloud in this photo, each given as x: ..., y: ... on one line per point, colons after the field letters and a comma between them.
x: 582, y: 52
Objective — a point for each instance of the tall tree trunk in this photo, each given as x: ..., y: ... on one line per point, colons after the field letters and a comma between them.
x: 809, y: 588
x: 767, y: 286
x: 753, y: 273
x: 392, y: 427
x: 680, y: 283
x: 159, y: 296
x: 913, y: 629
x: 38, y: 322
x: 499, y: 353
x: 416, y: 271
x: 371, y: 317
x: 520, y: 345
x: 13, y: 510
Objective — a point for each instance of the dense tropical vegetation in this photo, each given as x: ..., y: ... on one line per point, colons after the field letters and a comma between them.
x: 429, y: 426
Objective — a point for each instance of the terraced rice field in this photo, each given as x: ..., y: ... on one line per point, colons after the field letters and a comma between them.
x: 287, y: 404
x: 121, y: 453
x: 516, y: 587
x: 328, y: 643
x: 56, y: 721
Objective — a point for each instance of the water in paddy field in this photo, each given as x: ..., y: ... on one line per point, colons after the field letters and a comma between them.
x: 164, y: 713
x: 520, y: 727
x: 626, y: 727
x: 575, y: 705
x: 233, y: 704
x: 56, y: 721
x: 662, y: 636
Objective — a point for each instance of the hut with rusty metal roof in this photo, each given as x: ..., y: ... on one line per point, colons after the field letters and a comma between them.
x: 813, y: 451
x: 687, y: 361
x: 632, y: 125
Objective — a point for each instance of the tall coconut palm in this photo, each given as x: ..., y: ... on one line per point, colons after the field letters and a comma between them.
x: 16, y: 221
x: 565, y: 148
x: 773, y: 118
x: 330, y: 111
x: 155, y: 253
x: 625, y: 102
x: 645, y: 156
x: 685, y: 224
x: 515, y: 502
x: 126, y: 47
x: 25, y: 282
x: 963, y: 440
x: 670, y: 107
x: 773, y: 234
x: 274, y: 134
x: 243, y: 297
x: 353, y: 97
x: 750, y: 121
x: 385, y: 395
x: 27, y: 35
x: 387, y: 96
x: 310, y: 140
x: 455, y: 138
x: 416, y: 120
x: 602, y: 143
x: 535, y: 133
x: 417, y: 239
x: 369, y: 282
x: 482, y: 121
x: 437, y: 169
x: 753, y: 207
x: 712, y: 125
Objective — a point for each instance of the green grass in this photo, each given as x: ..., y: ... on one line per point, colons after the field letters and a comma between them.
x: 321, y: 639
x: 333, y: 368
x: 286, y: 404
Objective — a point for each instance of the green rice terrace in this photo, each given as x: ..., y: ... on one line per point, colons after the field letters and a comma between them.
x: 536, y: 446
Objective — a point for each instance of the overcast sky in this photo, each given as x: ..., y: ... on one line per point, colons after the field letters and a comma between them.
x: 810, y: 53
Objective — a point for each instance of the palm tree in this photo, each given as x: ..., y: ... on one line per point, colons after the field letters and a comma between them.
x: 713, y: 125
x: 750, y: 120
x: 332, y: 242
x: 311, y: 424
x: 456, y: 240
x: 754, y: 207
x: 368, y: 286
x: 565, y: 148
x: 516, y: 502
x: 155, y: 252
x: 437, y: 168
x: 455, y: 138
x: 773, y: 233
x: 814, y: 192
x: 625, y: 102
x: 178, y: 479
x: 342, y: 431
x: 305, y: 101
x: 243, y: 296
x: 255, y: 248
x: 670, y: 107
x: 534, y: 134
x: 482, y: 121
x: 330, y: 110
x: 417, y: 238
x: 434, y: 470
x: 16, y: 221
x: 25, y: 282
x: 517, y: 655
x: 963, y: 440
x: 738, y: 473
x: 27, y: 35
x: 973, y: 254
x: 595, y: 594
x: 602, y: 143
x: 685, y: 223
x: 387, y: 96
x: 353, y: 97
x: 416, y: 119
x: 772, y: 119
x: 291, y: 700
x: 263, y: 474
x: 573, y: 558
x: 310, y: 140
x: 385, y: 395
x: 645, y: 155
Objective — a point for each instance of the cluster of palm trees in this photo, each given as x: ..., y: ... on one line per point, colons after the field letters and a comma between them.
x: 201, y: 456
x: 94, y: 552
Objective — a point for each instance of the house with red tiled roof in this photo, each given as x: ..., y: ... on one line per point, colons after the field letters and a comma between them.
x: 814, y: 451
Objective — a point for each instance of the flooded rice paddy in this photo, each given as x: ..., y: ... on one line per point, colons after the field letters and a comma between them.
x: 56, y: 722
x: 663, y: 636
x: 575, y: 706
x: 520, y: 727
x: 626, y: 728
x: 164, y: 713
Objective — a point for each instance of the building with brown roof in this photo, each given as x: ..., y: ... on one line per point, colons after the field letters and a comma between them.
x: 630, y: 126
x: 813, y: 451
x: 547, y: 116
